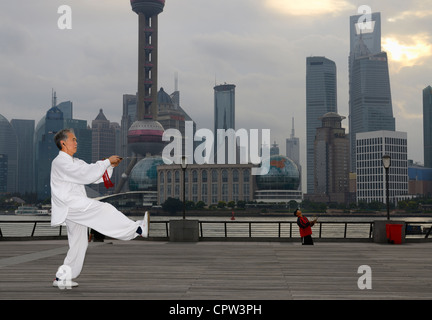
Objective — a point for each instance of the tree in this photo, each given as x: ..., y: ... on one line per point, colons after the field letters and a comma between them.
x: 190, y: 205
x: 221, y: 204
x: 172, y: 205
x: 241, y: 204
x: 200, y: 204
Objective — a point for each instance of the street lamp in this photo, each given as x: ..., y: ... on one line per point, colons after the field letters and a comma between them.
x: 184, y: 166
x: 386, y: 161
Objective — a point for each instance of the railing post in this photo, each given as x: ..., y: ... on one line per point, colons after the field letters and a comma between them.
x: 34, y: 228
x: 345, y: 229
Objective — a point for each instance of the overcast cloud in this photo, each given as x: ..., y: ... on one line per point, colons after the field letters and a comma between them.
x: 260, y: 46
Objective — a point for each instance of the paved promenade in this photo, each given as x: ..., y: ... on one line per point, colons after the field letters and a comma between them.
x: 142, y: 269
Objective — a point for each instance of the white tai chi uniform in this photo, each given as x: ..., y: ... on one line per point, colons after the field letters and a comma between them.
x: 71, y: 205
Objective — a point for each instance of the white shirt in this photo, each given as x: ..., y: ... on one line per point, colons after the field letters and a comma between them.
x: 69, y: 175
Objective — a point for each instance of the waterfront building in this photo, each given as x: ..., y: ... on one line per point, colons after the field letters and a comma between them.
x: 321, y: 97
x: 420, y: 180
x: 371, y: 176
x: 281, y: 184
x: 209, y: 183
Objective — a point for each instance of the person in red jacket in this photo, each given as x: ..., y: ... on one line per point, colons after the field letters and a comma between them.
x: 305, y: 227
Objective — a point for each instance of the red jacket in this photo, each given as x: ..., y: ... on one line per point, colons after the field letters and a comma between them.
x: 305, y: 226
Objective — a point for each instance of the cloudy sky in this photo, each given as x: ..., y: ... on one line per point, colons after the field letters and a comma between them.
x: 260, y: 46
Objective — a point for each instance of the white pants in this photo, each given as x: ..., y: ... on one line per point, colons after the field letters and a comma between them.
x: 102, y: 217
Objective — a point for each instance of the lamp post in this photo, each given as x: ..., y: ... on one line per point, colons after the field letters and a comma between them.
x: 386, y: 161
x: 184, y: 166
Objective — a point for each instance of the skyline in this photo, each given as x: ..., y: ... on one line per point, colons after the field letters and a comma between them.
x: 95, y: 62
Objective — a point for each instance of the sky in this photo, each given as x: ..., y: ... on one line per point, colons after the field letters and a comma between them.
x: 260, y: 46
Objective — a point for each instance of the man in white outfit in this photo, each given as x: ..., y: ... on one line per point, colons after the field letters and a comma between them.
x: 70, y: 205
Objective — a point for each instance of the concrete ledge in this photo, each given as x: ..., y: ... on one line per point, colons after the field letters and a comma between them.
x: 184, y: 230
x: 379, y: 230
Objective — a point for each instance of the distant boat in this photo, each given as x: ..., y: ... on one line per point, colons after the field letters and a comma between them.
x: 28, y: 210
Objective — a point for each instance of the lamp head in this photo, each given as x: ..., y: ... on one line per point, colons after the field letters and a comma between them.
x: 386, y: 161
x: 184, y: 162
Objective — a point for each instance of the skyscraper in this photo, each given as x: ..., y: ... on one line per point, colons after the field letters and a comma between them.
x: 103, y: 143
x: 371, y: 181
x: 224, y: 114
x: 331, y: 160
x: 370, y: 104
x: 293, y: 147
x: 427, y: 126
x: 293, y: 151
x: 224, y: 107
x: 24, y: 130
x: 8, y: 148
x: 321, y: 97
x: 46, y: 150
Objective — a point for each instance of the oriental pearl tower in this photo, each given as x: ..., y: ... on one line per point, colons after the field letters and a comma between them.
x: 145, y: 134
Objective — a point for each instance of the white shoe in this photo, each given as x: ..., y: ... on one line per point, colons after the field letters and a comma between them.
x: 145, y: 225
x: 64, y: 284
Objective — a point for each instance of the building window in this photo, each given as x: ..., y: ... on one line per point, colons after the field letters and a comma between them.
x: 214, y: 193
x: 235, y: 175
x: 224, y: 176
x: 161, y: 176
x: 214, y: 176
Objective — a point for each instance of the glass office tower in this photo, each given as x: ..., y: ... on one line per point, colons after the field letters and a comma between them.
x: 427, y: 126
x: 321, y: 97
x: 224, y: 112
x: 370, y: 103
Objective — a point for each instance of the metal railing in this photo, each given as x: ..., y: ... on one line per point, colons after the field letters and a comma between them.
x: 229, y: 230
x: 288, y: 230
x: 30, y: 228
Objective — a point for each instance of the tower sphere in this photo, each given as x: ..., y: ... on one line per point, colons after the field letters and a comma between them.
x: 283, y: 175
x: 148, y: 7
x: 145, y: 136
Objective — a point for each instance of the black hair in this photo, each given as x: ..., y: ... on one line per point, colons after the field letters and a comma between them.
x: 295, y: 212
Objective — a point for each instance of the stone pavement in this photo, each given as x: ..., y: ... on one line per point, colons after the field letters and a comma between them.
x: 158, y: 270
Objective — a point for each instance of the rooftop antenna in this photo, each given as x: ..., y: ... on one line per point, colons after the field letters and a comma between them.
x: 176, y: 81
x: 292, y: 130
x: 53, y: 98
